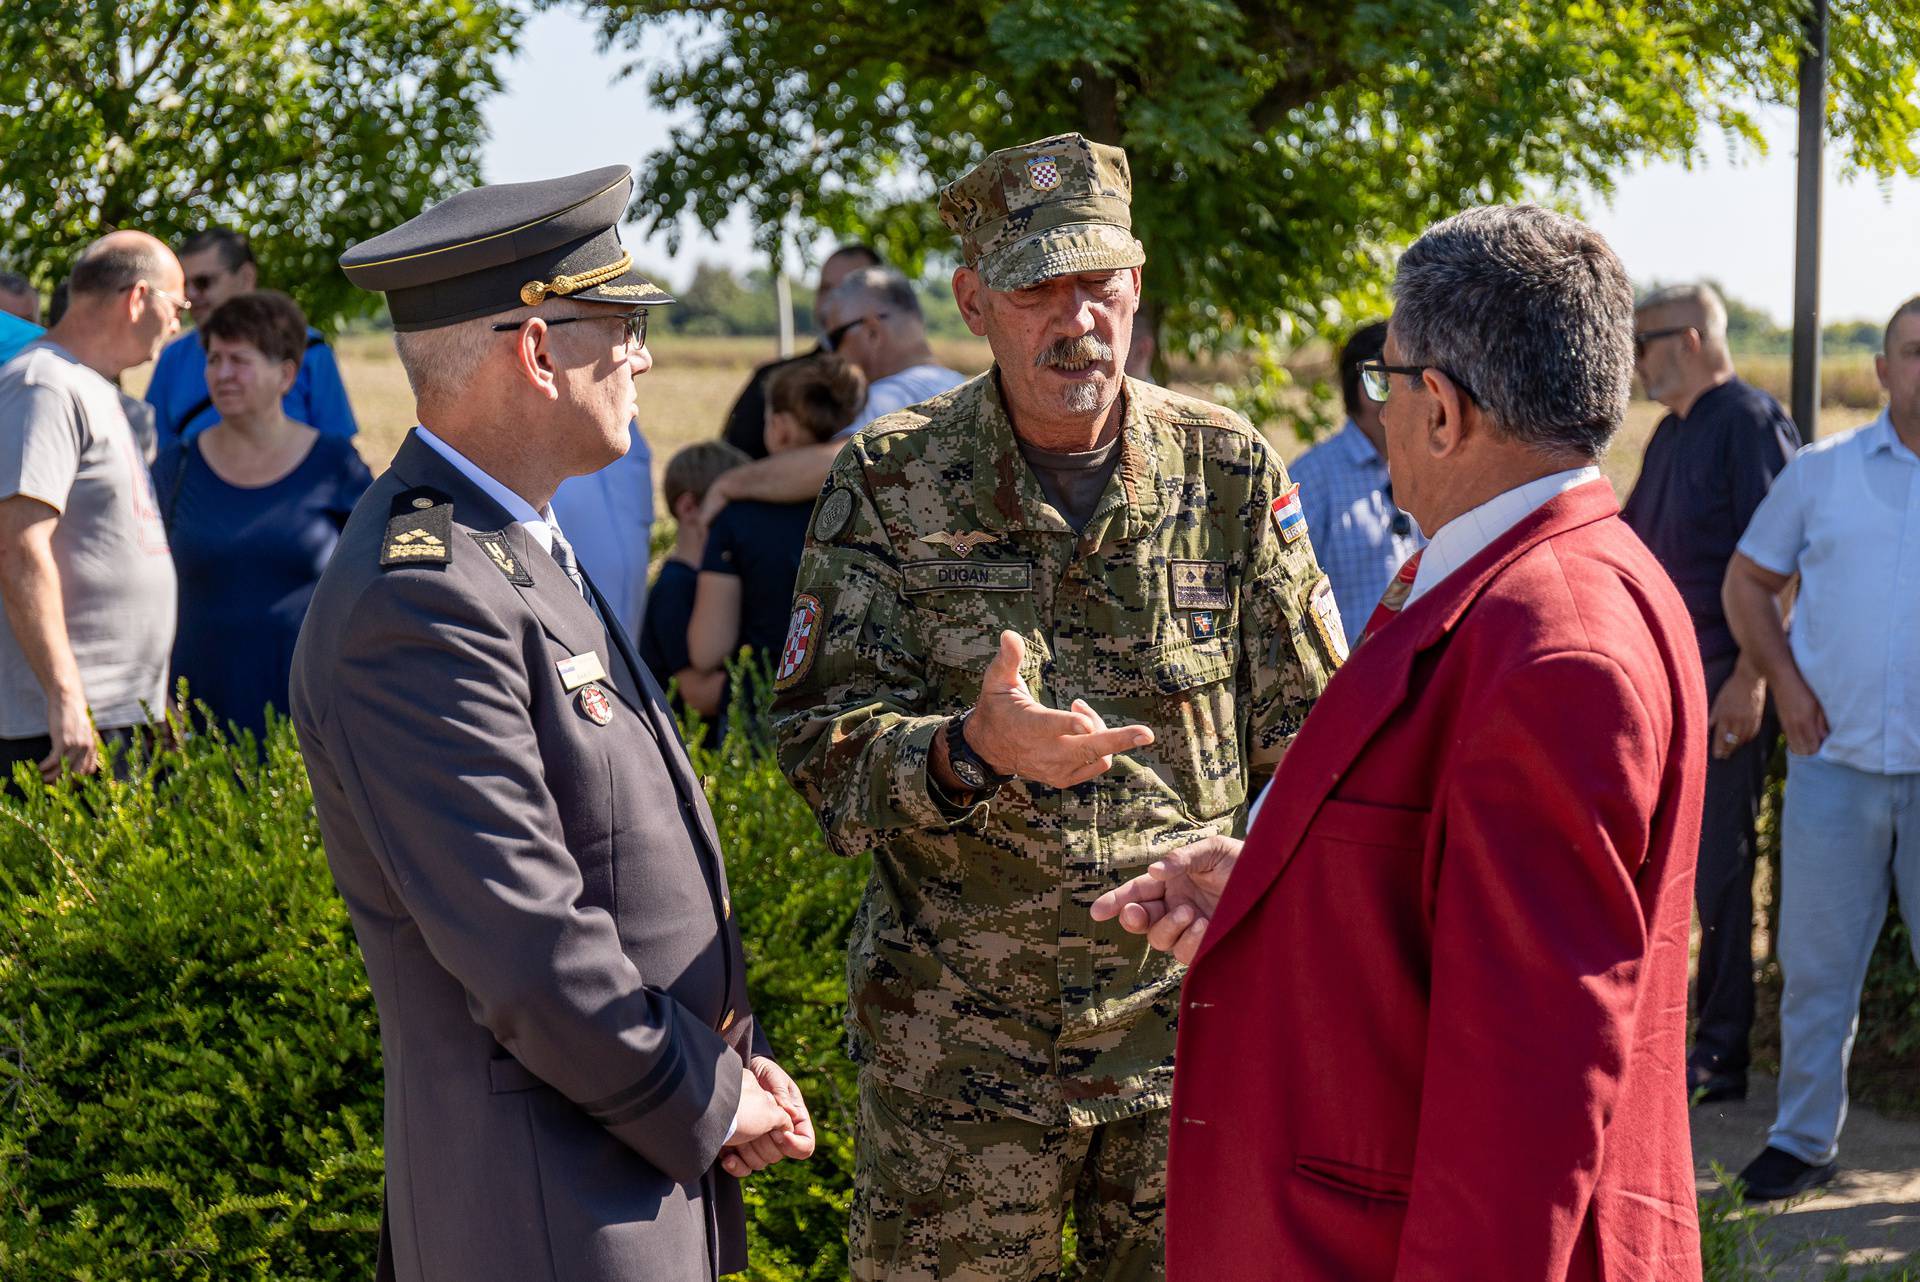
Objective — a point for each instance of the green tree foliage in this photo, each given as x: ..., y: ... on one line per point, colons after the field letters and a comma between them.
x: 1280, y: 151
x: 306, y: 125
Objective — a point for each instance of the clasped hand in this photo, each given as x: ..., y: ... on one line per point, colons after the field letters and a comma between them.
x: 771, y: 1124
x: 1172, y: 903
x: 1017, y: 734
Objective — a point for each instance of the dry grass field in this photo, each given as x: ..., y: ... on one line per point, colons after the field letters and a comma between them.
x: 687, y: 394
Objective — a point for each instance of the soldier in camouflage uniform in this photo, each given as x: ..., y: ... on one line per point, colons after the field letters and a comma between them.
x: 971, y: 613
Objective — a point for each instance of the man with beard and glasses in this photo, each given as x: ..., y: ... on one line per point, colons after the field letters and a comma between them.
x: 1050, y: 625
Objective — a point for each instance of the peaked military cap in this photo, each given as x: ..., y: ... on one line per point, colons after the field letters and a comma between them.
x: 1043, y: 209
x: 492, y: 249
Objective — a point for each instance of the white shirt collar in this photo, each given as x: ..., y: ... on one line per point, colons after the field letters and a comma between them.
x: 1466, y: 535
x: 541, y: 525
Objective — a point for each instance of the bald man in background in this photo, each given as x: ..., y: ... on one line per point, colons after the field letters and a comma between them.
x: 1709, y: 463
x: 85, y: 574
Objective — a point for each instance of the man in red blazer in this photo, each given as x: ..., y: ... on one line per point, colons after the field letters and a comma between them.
x: 1435, y: 1026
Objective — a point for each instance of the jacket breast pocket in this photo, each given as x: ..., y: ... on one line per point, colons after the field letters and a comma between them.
x: 1183, y: 690
x: 958, y: 653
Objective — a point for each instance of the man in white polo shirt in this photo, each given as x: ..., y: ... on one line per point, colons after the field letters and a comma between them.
x: 1845, y: 517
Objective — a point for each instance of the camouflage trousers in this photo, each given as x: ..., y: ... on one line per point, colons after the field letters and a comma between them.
x: 948, y: 1192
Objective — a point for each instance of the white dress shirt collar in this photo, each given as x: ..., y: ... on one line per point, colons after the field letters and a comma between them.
x: 1466, y: 535
x: 541, y: 525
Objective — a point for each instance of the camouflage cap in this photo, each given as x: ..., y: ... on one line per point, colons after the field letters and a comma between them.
x: 1043, y: 209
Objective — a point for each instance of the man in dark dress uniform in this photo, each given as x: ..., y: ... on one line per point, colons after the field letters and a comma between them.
x: 573, y: 1076
x: 1708, y: 465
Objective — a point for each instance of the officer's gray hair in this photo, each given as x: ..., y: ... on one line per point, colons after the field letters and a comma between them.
x: 872, y: 289
x: 1700, y: 301
x: 443, y: 360
x: 1530, y: 310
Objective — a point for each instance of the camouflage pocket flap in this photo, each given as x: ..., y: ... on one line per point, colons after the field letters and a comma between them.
x: 1182, y: 665
x: 971, y: 646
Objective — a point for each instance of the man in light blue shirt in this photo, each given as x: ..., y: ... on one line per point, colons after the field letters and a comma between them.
x: 609, y: 517
x: 219, y: 265
x: 1359, y: 535
x: 1845, y: 517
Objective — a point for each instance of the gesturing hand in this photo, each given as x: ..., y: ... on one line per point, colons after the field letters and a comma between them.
x: 788, y: 1136
x: 1018, y: 734
x: 1173, y: 901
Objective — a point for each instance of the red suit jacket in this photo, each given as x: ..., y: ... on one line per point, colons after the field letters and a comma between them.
x: 1437, y: 1026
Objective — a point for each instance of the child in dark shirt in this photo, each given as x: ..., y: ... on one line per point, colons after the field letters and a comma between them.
x: 745, y: 590
x: 663, y: 630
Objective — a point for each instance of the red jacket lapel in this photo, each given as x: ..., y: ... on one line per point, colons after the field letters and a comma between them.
x: 1366, y: 692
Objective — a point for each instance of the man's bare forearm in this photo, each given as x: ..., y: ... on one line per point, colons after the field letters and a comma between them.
x: 36, y: 609
x: 1752, y: 599
x: 791, y: 476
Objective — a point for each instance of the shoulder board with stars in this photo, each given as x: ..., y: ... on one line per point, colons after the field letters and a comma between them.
x: 420, y: 531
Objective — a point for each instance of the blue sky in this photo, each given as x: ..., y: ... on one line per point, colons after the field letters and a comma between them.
x: 561, y: 112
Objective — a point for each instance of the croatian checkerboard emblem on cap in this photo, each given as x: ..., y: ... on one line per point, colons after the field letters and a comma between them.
x: 1043, y: 172
x: 1289, y: 517
x: 802, y: 631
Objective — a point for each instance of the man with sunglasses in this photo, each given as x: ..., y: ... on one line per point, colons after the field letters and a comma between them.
x: 219, y: 265
x: 1710, y: 462
x: 1435, y: 1021
x: 574, y: 1080
x: 85, y: 573
x: 874, y: 322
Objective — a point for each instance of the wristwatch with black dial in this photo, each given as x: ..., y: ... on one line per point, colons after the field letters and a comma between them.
x: 969, y: 767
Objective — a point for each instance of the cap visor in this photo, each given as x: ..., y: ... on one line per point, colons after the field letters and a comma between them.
x: 630, y: 287
x: 1061, y: 251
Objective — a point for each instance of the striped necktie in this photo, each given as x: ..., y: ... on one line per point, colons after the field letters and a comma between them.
x: 1394, y: 599
x: 568, y: 563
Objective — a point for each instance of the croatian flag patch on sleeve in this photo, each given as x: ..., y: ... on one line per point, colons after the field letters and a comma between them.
x: 1288, y: 518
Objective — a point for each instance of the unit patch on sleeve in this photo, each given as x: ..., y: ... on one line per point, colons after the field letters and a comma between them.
x: 803, y: 634
x: 1325, y: 612
x: 835, y: 511
x: 1288, y: 516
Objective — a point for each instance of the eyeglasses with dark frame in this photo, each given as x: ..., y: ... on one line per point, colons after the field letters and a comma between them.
x: 832, y: 339
x: 1645, y: 338
x: 1376, y: 383
x: 635, y: 321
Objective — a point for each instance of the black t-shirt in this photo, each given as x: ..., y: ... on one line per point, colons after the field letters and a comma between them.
x: 663, y: 630
x: 761, y: 544
x: 1702, y: 479
x: 747, y: 421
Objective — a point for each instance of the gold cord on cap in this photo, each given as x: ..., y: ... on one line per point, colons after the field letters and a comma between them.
x: 534, y: 291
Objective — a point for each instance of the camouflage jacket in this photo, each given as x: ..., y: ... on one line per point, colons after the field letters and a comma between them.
x: 975, y: 970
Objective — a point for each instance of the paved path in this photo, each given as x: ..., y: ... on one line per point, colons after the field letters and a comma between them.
x: 1873, y: 1204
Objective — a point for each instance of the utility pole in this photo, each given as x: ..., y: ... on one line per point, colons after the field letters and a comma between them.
x: 783, y: 300
x: 1806, y: 253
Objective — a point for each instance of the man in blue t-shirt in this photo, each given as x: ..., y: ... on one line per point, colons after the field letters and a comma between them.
x: 219, y: 265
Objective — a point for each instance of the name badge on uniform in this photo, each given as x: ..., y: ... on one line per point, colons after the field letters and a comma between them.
x: 581, y: 669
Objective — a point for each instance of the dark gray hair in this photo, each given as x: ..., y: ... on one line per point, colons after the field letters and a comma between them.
x: 880, y: 288
x: 1532, y: 312
x: 105, y: 270
x: 15, y: 283
x: 1909, y: 308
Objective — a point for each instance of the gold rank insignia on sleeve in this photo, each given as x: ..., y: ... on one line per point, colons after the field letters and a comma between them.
x: 494, y: 544
x: 419, y: 531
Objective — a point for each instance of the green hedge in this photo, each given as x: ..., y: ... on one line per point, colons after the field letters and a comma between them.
x: 189, y: 1083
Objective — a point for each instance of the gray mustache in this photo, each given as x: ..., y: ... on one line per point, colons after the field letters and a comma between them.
x: 1083, y: 350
